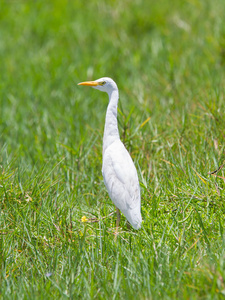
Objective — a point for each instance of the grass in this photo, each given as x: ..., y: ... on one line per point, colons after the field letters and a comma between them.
x: 168, y: 61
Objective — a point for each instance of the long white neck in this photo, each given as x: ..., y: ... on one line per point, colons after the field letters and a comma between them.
x: 111, y: 132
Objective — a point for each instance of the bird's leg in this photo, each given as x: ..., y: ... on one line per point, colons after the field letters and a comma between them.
x: 117, y: 219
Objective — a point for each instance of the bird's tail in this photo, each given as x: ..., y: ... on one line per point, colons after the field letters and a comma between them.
x: 134, y: 218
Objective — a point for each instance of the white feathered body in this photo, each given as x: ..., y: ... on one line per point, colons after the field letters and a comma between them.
x: 121, y: 180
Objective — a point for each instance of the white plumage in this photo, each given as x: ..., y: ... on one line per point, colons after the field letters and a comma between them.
x: 119, y: 172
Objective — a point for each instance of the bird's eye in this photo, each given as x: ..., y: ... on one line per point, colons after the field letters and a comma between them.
x: 102, y: 82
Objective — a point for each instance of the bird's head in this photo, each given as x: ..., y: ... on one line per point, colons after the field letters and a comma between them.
x: 104, y: 84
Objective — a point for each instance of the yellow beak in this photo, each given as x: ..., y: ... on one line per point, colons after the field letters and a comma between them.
x: 89, y: 83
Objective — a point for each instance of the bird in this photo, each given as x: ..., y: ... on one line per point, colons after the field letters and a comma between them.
x: 118, y: 169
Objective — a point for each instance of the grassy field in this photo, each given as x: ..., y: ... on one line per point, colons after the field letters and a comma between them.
x: 168, y: 59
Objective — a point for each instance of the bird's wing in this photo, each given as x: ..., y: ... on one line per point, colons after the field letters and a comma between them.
x: 120, y: 177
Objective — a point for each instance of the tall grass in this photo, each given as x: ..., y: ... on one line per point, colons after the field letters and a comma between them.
x: 168, y: 61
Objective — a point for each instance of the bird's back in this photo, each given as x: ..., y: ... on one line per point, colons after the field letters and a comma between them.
x: 121, y: 180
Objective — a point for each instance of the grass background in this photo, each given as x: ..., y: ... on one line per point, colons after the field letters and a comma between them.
x: 168, y: 59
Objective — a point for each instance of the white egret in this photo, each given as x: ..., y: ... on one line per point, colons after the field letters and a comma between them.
x: 119, y: 173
